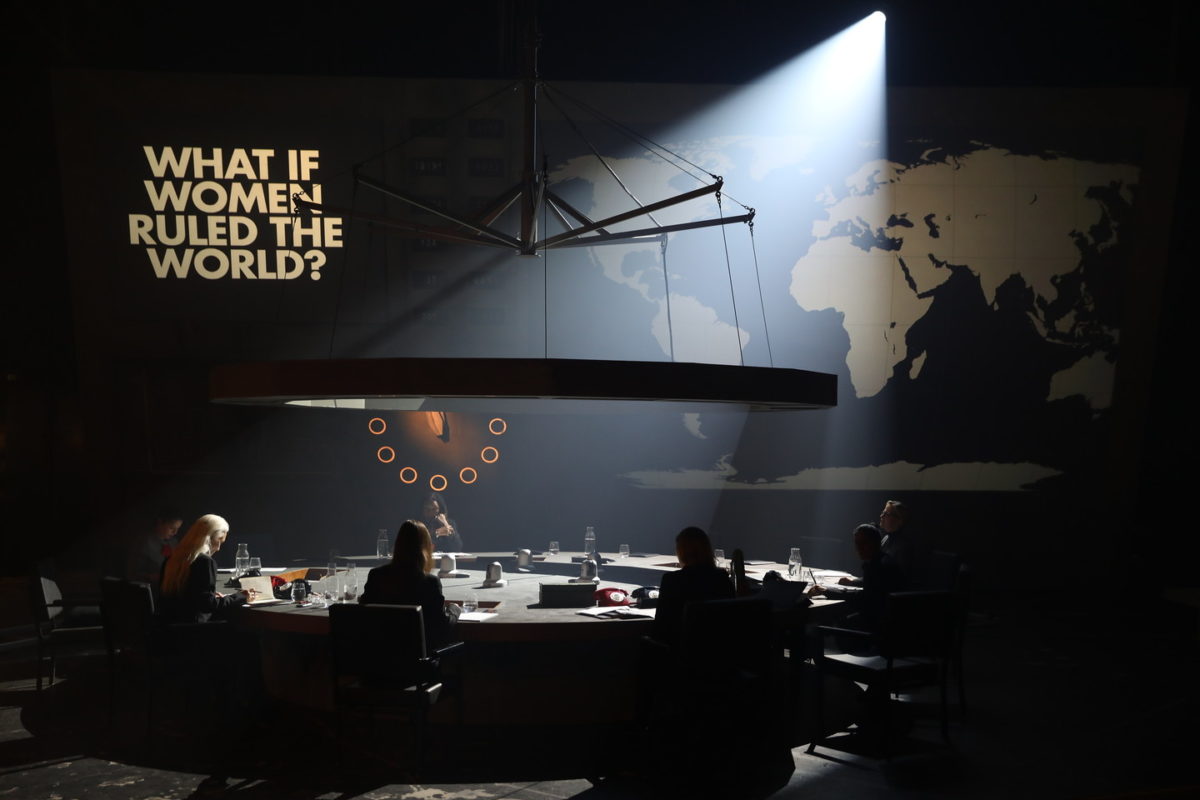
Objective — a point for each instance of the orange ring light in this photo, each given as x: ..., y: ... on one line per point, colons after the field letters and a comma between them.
x: 408, y: 475
x: 371, y: 426
x: 438, y: 482
x: 502, y: 425
x: 489, y: 455
x: 468, y: 475
x: 386, y: 454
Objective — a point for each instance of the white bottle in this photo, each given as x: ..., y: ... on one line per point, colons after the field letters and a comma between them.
x: 241, y: 562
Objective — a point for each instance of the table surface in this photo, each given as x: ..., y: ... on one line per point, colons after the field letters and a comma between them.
x: 519, y: 615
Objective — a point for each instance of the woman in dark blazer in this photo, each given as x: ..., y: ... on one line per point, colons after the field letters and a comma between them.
x: 189, y: 576
x: 407, y: 581
x: 698, y: 580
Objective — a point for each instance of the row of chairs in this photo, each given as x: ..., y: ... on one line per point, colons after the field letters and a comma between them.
x: 379, y: 659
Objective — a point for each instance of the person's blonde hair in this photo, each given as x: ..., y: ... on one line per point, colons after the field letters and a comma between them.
x: 198, y: 539
x: 414, y: 546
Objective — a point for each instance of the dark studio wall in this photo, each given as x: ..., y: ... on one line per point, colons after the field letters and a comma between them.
x: 985, y: 280
x: 969, y: 290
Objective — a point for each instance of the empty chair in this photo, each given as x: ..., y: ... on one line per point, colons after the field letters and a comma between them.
x: 911, y: 649
x: 381, y: 665
x: 62, y: 627
x: 128, y: 611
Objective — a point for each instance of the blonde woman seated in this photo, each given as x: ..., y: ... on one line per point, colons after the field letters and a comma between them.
x: 189, y: 576
x: 407, y: 581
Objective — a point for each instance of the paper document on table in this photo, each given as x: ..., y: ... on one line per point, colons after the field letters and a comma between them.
x: 477, y: 616
x: 262, y: 592
x: 828, y: 575
x: 617, y: 612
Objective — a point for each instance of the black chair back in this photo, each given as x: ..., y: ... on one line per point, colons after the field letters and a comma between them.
x: 939, y: 572
x: 721, y: 637
x: 128, y: 611
x: 46, y: 597
x: 378, y: 644
x: 917, y: 624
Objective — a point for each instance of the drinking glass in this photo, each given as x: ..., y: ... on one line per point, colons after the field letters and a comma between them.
x: 471, y: 604
x: 255, y: 564
x: 298, y: 592
x: 719, y: 557
x: 623, y: 551
x: 553, y: 548
x: 794, y: 564
x: 382, y: 545
x: 351, y: 592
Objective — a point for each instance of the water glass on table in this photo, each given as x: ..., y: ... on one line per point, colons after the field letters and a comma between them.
x: 553, y: 548
x: 255, y: 564
x: 623, y: 551
x: 794, y: 564
x: 471, y: 604
x: 299, y: 593
x: 719, y: 557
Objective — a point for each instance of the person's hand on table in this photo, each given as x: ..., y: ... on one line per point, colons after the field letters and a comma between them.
x: 444, y: 528
x: 815, y: 589
x: 847, y: 581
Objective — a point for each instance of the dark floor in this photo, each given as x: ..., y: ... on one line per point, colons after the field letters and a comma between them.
x: 1061, y: 705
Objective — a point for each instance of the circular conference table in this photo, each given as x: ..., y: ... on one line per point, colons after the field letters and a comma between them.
x: 518, y: 661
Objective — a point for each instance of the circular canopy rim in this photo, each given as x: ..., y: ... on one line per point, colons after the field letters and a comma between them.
x: 707, y: 385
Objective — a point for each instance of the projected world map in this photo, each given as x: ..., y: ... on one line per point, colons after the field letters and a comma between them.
x: 971, y: 291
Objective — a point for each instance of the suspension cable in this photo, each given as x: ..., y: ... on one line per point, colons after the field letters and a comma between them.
x: 648, y: 143
x: 599, y: 157
x: 667, y: 290
x: 762, y: 307
x: 737, y: 328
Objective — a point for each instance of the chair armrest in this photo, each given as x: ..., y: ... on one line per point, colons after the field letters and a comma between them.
x: 824, y: 629
x: 451, y: 649
x: 649, y: 643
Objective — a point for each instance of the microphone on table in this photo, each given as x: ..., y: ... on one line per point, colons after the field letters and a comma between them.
x: 494, y: 579
x: 524, y: 560
x: 588, y: 571
x: 447, y: 569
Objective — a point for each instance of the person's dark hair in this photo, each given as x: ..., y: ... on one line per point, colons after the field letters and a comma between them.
x: 901, y: 510
x: 414, y: 547
x: 693, y: 548
x: 436, y: 497
x: 869, y: 531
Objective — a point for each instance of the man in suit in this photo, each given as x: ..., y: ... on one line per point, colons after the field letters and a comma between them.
x: 881, y: 575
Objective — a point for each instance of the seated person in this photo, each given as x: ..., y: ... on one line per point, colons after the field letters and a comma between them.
x: 881, y: 576
x: 698, y: 579
x: 434, y: 515
x: 151, y: 549
x: 189, y: 576
x: 901, y: 541
x: 406, y: 581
